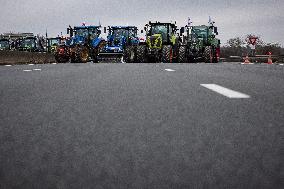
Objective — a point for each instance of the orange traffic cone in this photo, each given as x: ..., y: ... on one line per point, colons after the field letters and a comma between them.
x: 270, y: 59
x: 247, y: 60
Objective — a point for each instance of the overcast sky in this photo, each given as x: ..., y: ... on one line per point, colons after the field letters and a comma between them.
x: 234, y: 18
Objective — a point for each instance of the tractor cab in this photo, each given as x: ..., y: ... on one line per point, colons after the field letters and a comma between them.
x: 159, y: 34
x: 84, y: 34
x: 28, y: 44
x: 120, y: 36
x: 4, y: 44
x: 53, y: 43
x: 203, y: 32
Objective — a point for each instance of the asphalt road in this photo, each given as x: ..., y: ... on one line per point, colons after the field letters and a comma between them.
x: 141, y: 126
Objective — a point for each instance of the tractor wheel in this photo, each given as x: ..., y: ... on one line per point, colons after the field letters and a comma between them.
x: 208, y: 54
x: 97, y: 50
x: 167, y: 54
x: 61, y: 59
x: 215, y: 57
x: 83, y: 54
x: 141, y: 54
x: 182, y: 58
x: 129, y: 54
x: 61, y: 55
x: 74, y: 54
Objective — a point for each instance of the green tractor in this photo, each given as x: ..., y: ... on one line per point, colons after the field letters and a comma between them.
x: 4, y: 44
x: 199, y: 44
x: 30, y: 44
x: 161, y: 45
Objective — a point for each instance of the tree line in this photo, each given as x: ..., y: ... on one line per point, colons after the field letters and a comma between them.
x: 239, y: 46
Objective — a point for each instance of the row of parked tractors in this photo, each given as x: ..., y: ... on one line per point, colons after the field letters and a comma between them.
x: 163, y: 42
x: 22, y: 42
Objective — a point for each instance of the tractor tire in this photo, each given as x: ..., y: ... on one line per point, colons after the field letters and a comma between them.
x: 167, y: 54
x: 215, y: 57
x: 182, y: 56
x: 74, y: 54
x: 141, y: 54
x: 61, y: 59
x: 208, y: 54
x: 80, y: 54
x: 83, y: 54
x: 129, y: 54
x: 61, y: 54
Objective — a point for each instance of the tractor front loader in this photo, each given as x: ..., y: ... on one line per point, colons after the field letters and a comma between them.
x: 121, y: 44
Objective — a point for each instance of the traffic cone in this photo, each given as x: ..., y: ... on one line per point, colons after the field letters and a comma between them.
x: 247, y: 60
x: 270, y: 59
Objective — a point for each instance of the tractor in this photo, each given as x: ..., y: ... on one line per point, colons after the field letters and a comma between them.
x: 30, y: 44
x: 162, y: 43
x: 199, y: 44
x: 4, y: 44
x: 82, y: 46
x: 53, y: 43
x: 121, y: 44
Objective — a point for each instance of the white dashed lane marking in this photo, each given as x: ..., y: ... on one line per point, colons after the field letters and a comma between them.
x: 8, y: 65
x: 54, y: 63
x: 170, y: 70
x: 30, y: 64
x: 225, y: 91
x: 27, y: 70
x: 37, y: 69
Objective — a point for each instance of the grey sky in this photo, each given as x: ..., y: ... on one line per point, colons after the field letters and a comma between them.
x: 234, y: 18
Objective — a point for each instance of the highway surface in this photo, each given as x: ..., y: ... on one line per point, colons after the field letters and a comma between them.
x: 141, y: 126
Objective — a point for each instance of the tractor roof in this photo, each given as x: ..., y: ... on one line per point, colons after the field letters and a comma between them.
x: 29, y: 37
x: 4, y: 39
x: 162, y: 23
x: 86, y: 27
x: 54, y: 38
x: 123, y: 27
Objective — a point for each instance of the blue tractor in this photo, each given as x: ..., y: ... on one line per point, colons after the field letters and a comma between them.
x: 121, y: 44
x: 82, y: 46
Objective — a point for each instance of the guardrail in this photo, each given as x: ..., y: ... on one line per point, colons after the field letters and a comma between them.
x: 19, y: 57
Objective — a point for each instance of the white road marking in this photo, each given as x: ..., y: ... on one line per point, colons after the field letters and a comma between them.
x: 247, y: 63
x: 281, y: 64
x: 37, y: 69
x: 225, y: 91
x: 170, y: 70
x: 30, y: 64
x: 27, y: 70
x: 54, y: 63
x: 8, y: 65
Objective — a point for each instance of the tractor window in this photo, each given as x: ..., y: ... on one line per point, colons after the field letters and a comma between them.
x: 160, y: 29
x: 82, y: 32
x: 200, y: 32
x: 94, y: 33
x: 117, y: 33
x: 28, y: 43
x: 132, y: 32
x: 54, y: 42
x: 4, y: 44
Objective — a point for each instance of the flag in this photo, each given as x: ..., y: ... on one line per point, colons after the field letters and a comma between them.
x: 210, y: 21
x: 189, y: 21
